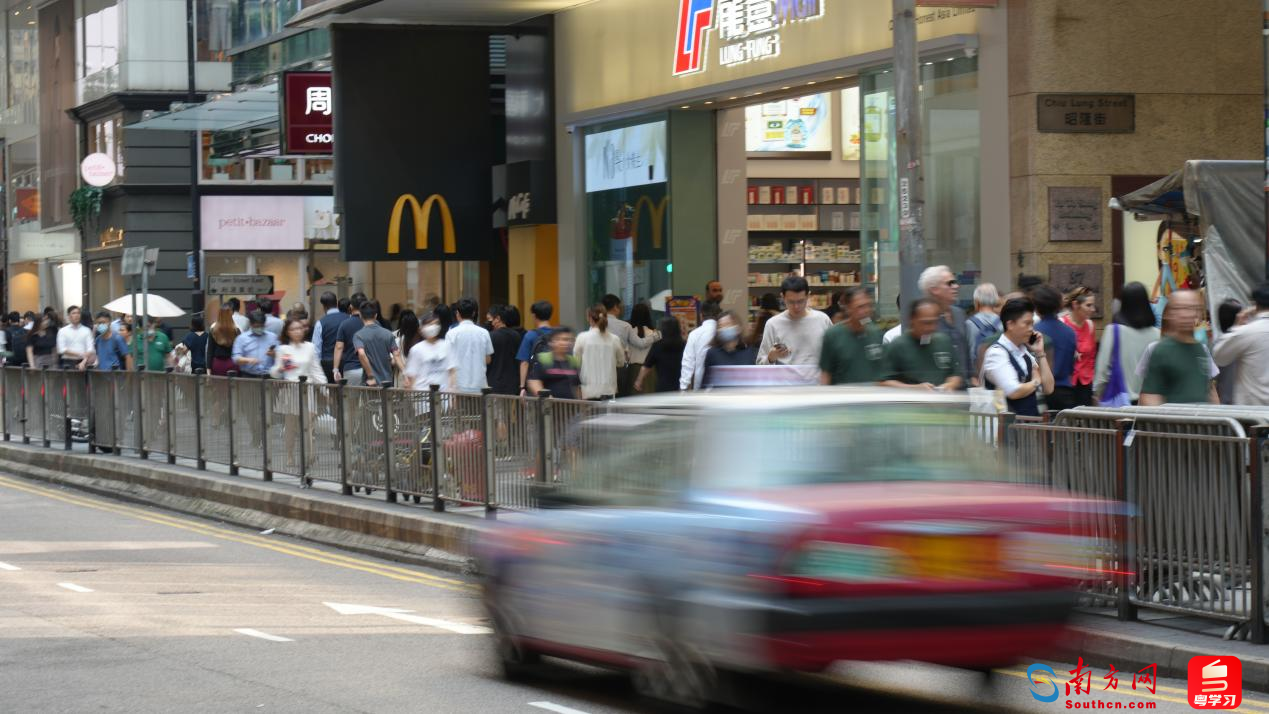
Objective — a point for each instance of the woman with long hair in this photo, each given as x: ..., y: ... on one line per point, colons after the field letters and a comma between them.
x: 41, y: 346
x: 220, y: 348
x: 408, y: 333
x: 1134, y: 330
x: 664, y: 360
x: 601, y: 354
x: 642, y: 336
x: 296, y: 357
x: 1081, y: 305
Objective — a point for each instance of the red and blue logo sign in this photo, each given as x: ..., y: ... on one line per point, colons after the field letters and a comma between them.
x: 696, y: 17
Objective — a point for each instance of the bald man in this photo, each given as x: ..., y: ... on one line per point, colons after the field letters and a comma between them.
x: 1180, y: 370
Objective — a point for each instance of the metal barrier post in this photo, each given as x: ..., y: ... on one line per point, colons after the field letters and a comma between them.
x: 386, y: 408
x: 25, y: 388
x: 115, y: 416
x: 264, y: 428
x: 44, y: 407
x: 1126, y: 545
x: 4, y: 402
x: 141, y: 414
x: 301, y: 403
x: 1258, y: 437
x: 199, y: 381
x: 229, y: 409
x: 341, y: 434
x: 490, y: 438
x: 66, y: 414
x: 167, y: 398
x: 544, y: 459
x: 434, y: 423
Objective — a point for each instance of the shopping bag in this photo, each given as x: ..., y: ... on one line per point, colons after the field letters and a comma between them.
x: 1115, y: 393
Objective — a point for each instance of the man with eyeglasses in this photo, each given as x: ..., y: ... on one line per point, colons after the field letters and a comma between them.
x: 796, y: 335
x: 940, y: 285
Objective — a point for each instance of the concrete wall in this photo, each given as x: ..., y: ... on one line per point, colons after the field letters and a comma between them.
x: 1196, y: 69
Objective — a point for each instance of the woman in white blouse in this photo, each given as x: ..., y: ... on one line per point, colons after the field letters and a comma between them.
x: 293, y: 359
x: 642, y: 335
x: 601, y: 354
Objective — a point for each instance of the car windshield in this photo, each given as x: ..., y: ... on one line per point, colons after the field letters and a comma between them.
x: 846, y: 444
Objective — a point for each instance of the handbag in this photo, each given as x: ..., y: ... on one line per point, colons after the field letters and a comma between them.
x: 1115, y: 393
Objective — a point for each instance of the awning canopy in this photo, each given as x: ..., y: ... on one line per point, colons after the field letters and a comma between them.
x: 239, y: 110
x: 428, y: 12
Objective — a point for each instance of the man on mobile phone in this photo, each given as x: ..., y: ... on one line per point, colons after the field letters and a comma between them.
x: 796, y: 335
x: 1016, y: 363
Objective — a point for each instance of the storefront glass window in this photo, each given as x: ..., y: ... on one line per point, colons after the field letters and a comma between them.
x: 106, y: 136
x: 627, y: 222
x: 287, y: 280
x: 24, y: 182
x: 215, y: 264
x: 950, y: 126
x: 23, y: 77
x: 98, y: 46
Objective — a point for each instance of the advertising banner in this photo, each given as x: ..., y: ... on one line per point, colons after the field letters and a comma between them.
x: 621, y: 158
x: 799, y: 128
x: 415, y: 157
x: 264, y: 222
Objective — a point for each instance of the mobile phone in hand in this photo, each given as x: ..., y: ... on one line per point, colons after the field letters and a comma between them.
x: 1034, y: 336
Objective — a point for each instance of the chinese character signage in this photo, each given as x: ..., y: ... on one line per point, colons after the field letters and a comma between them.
x: 747, y: 30
x: 1075, y: 213
x: 307, y: 113
x: 1087, y: 113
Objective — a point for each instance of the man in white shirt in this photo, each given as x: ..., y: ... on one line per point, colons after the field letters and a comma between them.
x: 1247, y: 347
x: 272, y: 323
x: 74, y: 341
x: 796, y: 335
x: 692, y: 373
x: 240, y: 320
x: 472, y: 348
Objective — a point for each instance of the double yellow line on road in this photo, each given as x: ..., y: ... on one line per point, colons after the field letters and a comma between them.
x: 384, y: 570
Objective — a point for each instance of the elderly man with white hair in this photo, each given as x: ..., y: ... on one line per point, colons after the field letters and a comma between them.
x: 939, y: 284
x: 985, y: 321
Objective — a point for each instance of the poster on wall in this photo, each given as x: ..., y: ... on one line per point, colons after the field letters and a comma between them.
x: 851, y: 130
x: 685, y: 309
x: 622, y: 158
x: 266, y: 222
x: 876, y: 126
x: 798, y: 128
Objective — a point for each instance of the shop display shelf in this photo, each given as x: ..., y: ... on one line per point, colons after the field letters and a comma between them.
x: 833, y: 262
x: 776, y: 262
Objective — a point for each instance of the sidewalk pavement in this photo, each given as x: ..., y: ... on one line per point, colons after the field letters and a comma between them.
x: 416, y: 534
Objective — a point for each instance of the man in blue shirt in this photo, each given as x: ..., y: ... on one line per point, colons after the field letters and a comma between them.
x: 1061, y: 345
x: 326, y: 331
x: 253, y: 350
x: 111, y: 349
x: 542, y: 311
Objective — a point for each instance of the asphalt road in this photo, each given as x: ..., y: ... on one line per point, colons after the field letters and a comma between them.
x: 112, y: 607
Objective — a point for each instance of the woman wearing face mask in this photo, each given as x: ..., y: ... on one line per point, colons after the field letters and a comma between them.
x: 728, y: 349
x: 296, y: 357
x: 430, y: 361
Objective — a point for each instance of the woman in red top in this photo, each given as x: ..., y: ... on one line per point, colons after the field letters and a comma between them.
x: 1081, y: 304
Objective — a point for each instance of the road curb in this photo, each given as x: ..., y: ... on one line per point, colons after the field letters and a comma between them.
x: 1170, y: 649
x: 393, y: 532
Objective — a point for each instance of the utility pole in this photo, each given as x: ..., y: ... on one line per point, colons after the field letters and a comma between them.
x: 195, y: 147
x: 911, y: 183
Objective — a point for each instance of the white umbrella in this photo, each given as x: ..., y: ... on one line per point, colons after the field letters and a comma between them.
x: 157, y: 305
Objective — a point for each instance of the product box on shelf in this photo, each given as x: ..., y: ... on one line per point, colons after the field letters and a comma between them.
x: 791, y: 195
x: 777, y: 195
x: 764, y: 195
x: 771, y: 222
x: 807, y: 194
x: 843, y: 194
x: 808, y: 222
x: 828, y: 195
x: 753, y: 195
x: 753, y: 221
x: 789, y: 222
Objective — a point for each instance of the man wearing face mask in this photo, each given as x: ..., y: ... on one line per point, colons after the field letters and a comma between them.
x: 923, y: 357
x: 728, y: 349
x: 152, y: 346
x: 109, y: 350
x: 253, y: 350
x: 852, y: 351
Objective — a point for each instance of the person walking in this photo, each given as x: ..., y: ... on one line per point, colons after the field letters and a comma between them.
x: 643, y: 335
x: 295, y: 358
x: 1123, y: 344
x: 326, y: 331
x: 41, y: 344
x: 1059, y: 345
x: 220, y: 344
x: 503, y: 373
x: 473, y: 348
x: 1081, y: 305
x: 1228, y: 315
x: 346, y: 365
x: 853, y: 352
x: 1016, y: 364
x: 729, y: 350
x: 407, y: 335
x: 1178, y: 368
x: 376, y: 348
x: 692, y: 370
x: 16, y: 337
x: 253, y: 351
x: 600, y: 354
x: 195, y: 345
x: 152, y: 346
x: 557, y: 372
x: 985, y: 322
x: 664, y: 359
x: 714, y: 292
x: 272, y: 322
x: 240, y: 320
x: 620, y: 329
x: 796, y: 335
x: 110, y: 351
x: 1246, y: 349
x: 923, y: 357
x: 74, y: 341
x: 940, y: 284
x: 430, y: 361
x: 535, y: 341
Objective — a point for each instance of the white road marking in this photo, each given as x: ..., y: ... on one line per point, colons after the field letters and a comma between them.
x: 31, y: 547
x: 6, y: 566
x: 461, y: 628
x: 262, y: 635
x: 557, y: 708
x: 75, y: 588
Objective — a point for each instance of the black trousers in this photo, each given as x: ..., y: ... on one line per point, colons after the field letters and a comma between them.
x: 1062, y: 398
x: 328, y: 367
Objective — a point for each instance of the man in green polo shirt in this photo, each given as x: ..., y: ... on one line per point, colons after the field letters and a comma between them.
x: 1180, y: 369
x: 922, y: 357
x: 155, y: 358
x: 852, y: 351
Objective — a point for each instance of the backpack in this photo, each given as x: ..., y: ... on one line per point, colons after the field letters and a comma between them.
x: 17, y: 345
x: 541, y: 346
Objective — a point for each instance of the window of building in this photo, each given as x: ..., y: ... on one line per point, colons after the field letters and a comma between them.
x: 106, y: 136
x: 98, y: 30
x: 24, y: 182
x: 23, y: 55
